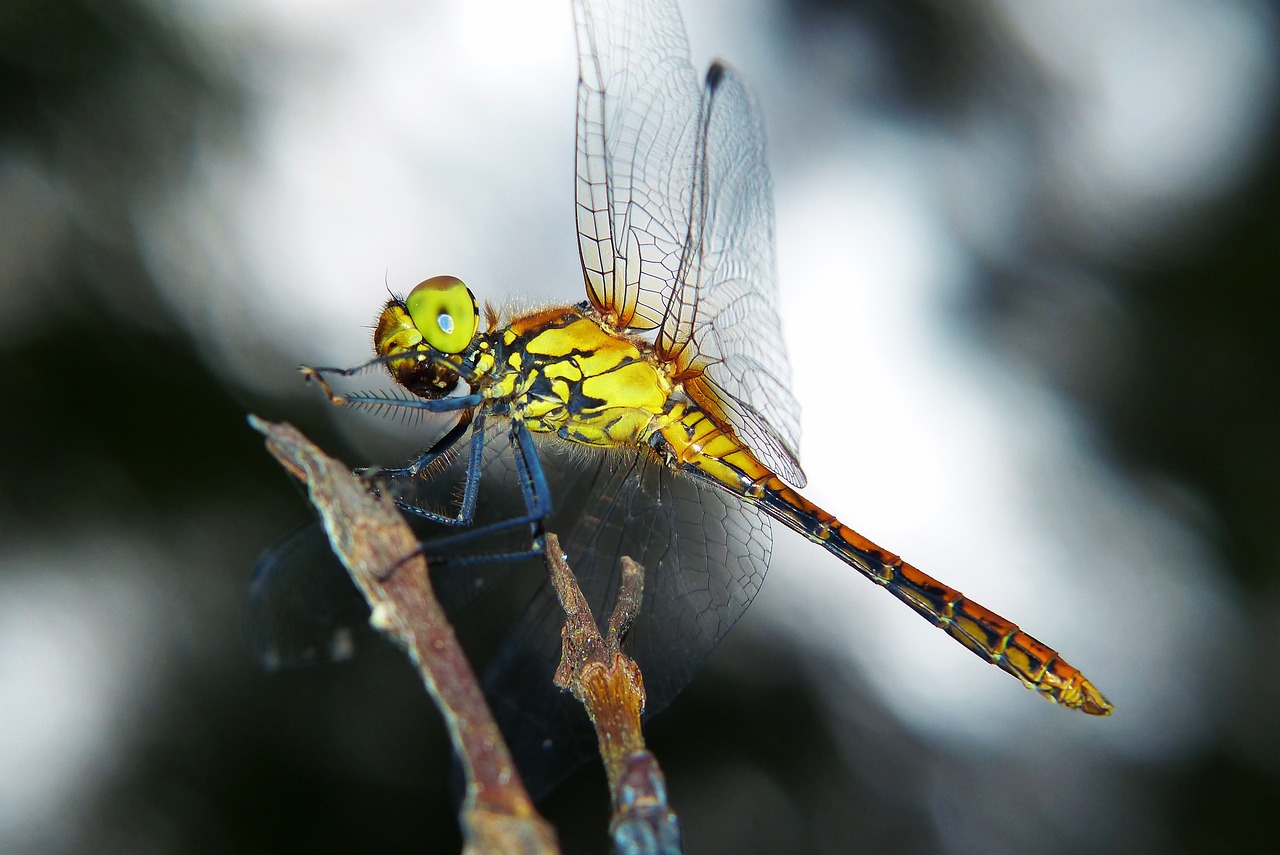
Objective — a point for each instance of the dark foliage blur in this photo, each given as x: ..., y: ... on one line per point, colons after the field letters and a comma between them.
x: 117, y: 427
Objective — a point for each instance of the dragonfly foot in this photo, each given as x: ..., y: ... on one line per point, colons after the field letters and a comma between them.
x: 317, y: 374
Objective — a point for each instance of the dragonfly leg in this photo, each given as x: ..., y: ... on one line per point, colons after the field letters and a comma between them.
x: 471, y: 486
x: 357, y: 399
x: 537, y: 500
x: 439, y: 448
x: 465, y: 370
x: 533, y: 484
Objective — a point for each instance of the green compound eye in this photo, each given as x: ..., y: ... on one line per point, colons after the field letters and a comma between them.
x: 446, y: 313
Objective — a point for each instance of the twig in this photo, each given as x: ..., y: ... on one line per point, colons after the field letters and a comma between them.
x: 610, y: 686
x: 385, y: 561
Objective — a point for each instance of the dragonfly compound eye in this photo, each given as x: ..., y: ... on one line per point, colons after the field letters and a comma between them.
x: 446, y: 313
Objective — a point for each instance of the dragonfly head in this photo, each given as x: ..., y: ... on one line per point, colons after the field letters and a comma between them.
x: 431, y: 327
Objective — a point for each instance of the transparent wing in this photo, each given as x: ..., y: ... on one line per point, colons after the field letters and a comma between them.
x: 302, y: 607
x: 675, y: 219
x: 736, y: 335
x: 705, y: 554
x: 638, y: 126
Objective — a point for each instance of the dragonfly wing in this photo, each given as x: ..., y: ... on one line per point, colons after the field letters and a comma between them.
x: 704, y: 554
x: 736, y: 337
x: 302, y: 607
x: 637, y: 131
x: 675, y: 218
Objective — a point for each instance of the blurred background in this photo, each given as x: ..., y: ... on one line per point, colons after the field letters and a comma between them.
x: 1028, y: 262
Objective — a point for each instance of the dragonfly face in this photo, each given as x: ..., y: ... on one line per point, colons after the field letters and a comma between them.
x: 438, y: 320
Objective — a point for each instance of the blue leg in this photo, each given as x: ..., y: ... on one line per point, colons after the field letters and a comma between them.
x: 471, y: 487
x: 533, y: 489
x: 440, y: 447
x: 537, y: 499
x: 365, y: 399
x: 533, y: 483
x: 465, y: 371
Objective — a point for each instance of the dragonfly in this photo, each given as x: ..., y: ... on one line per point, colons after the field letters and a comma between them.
x: 653, y: 419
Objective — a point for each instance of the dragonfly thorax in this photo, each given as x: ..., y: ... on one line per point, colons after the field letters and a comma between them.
x: 560, y: 371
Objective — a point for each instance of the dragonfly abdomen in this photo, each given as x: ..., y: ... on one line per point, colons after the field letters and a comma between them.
x: 990, y: 636
x: 697, y: 446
